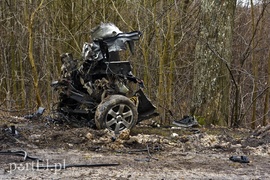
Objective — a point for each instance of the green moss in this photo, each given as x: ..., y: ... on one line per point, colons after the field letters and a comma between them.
x: 201, y: 120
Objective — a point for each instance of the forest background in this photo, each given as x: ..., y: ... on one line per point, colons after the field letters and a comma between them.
x: 210, y: 59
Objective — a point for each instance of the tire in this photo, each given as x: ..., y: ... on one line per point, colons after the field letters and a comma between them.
x: 116, y: 113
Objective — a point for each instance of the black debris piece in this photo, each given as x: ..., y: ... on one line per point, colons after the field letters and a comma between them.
x: 59, y: 166
x: 241, y: 159
x: 12, y: 130
x: 20, y: 153
x: 186, y: 122
x: 37, y: 114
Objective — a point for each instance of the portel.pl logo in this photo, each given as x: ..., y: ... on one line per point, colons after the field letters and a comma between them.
x: 45, y: 165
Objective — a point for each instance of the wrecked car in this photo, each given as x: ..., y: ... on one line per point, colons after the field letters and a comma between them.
x: 102, y: 91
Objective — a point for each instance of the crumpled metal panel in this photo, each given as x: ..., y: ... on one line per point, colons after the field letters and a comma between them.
x: 118, y: 42
x: 104, y: 30
x: 107, y: 34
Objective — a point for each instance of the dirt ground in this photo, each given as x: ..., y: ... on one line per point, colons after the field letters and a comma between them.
x: 144, y: 153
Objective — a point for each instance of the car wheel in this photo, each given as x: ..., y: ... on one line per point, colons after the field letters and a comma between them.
x: 116, y: 113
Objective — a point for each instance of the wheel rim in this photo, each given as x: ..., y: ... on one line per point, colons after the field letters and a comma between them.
x: 119, y: 117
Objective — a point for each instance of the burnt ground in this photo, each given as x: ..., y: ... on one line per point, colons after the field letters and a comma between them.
x: 144, y: 153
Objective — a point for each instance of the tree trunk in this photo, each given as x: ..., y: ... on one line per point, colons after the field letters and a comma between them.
x: 170, y: 77
x: 266, y: 110
x: 211, y: 83
x: 161, y: 63
x: 22, y: 81
x: 255, y: 71
x: 31, y: 57
x: 266, y: 102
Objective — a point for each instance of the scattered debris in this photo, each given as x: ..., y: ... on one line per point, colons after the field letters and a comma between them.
x: 155, y: 151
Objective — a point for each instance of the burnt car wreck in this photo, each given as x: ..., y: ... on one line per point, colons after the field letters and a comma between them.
x: 99, y: 92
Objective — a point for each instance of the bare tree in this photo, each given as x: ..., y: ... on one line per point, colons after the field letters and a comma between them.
x: 30, y: 53
x: 213, y: 56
